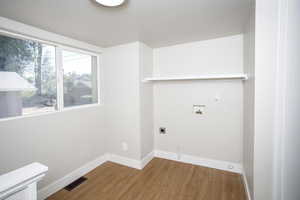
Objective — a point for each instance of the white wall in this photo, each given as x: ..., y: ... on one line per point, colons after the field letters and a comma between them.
x: 290, y: 136
x: 121, y: 82
x: 249, y: 92
x: 146, y: 100
x: 218, y: 133
x: 63, y: 141
x: 266, y: 66
x: 272, y: 172
x: 129, y: 102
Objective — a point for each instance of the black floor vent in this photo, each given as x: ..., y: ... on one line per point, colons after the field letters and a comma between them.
x: 75, y: 183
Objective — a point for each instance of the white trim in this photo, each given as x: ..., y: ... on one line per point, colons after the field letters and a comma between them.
x: 129, y: 162
x: 30, y: 32
x: 77, y: 50
x: 216, y: 164
x: 59, y: 79
x: 60, y: 75
x: 17, y: 180
x: 280, y: 109
x: 42, y: 113
x: 137, y: 164
x: 12, y: 34
x: 81, y: 106
x: 147, y: 159
x: 246, y: 185
x: 100, y: 79
x: 23, y: 31
x: 200, y: 77
x: 165, y: 155
x: 64, y: 181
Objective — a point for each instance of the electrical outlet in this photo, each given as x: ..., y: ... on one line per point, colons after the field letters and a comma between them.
x: 124, y: 146
x: 162, y: 130
x: 230, y: 167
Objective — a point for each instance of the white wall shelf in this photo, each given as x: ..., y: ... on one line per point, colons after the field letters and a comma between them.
x: 202, y: 77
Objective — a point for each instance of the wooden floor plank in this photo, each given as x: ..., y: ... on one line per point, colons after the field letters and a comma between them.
x: 160, y: 180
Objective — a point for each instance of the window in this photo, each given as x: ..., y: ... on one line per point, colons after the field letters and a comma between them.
x: 80, y: 79
x: 30, y: 74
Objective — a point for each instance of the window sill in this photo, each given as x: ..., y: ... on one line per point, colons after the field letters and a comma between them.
x: 51, y: 112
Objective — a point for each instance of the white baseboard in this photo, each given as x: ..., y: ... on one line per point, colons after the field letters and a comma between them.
x: 125, y: 161
x: 64, y: 181
x: 216, y: 164
x: 137, y: 164
x: 147, y: 159
x: 166, y: 155
x: 246, y: 185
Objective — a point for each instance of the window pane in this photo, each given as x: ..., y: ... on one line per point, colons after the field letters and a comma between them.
x: 28, y: 75
x: 80, y: 79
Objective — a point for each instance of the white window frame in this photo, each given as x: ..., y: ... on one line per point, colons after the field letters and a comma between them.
x: 59, y: 72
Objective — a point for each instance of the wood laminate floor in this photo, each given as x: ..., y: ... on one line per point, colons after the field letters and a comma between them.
x: 160, y: 180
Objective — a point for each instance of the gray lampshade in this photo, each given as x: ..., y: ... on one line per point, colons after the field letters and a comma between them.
x: 110, y: 3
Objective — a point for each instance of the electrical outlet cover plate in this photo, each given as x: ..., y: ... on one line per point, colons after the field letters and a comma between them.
x: 124, y: 146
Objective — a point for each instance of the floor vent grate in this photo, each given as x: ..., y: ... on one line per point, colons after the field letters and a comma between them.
x: 75, y: 183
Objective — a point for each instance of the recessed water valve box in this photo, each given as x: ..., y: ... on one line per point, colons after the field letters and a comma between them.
x: 198, y: 109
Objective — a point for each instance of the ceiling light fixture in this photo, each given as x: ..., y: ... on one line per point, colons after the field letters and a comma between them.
x: 110, y: 3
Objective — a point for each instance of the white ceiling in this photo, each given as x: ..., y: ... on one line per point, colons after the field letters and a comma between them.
x: 155, y: 22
